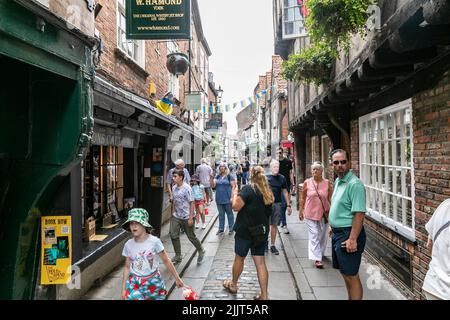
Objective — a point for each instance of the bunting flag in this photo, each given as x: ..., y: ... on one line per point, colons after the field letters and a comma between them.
x: 166, y: 105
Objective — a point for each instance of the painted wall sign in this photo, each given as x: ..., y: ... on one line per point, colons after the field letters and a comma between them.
x: 56, y: 249
x: 158, y: 19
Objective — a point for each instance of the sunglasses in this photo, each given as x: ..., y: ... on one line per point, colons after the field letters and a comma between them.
x: 341, y: 162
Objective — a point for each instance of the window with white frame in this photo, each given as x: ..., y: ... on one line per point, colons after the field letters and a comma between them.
x: 174, y: 81
x: 135, y: 49
x: 293, y: 19
x: 386, y: 166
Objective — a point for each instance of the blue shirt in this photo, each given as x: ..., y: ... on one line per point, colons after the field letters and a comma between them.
x: 182, y: 198
x: 349, y: 197
x: 197, y: 191
x: 223, y: 189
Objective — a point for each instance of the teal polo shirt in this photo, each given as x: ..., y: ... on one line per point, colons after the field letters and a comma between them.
x: 349, y: 196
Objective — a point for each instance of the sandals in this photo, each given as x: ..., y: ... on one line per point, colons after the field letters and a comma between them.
x: 228, y: 284
x: 318, y: 265
x: 258, y: 297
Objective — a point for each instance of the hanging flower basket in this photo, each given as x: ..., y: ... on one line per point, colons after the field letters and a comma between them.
x: 311, y: 65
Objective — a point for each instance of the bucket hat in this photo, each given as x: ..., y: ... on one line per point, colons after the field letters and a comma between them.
x: 137, y: 215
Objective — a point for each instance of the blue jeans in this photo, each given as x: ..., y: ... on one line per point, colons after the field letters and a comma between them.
x: 283, y: 211
x: 225, y: 208
x: 244, y: 177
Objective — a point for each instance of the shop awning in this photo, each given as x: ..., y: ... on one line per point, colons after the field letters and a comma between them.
x: 131, y: 99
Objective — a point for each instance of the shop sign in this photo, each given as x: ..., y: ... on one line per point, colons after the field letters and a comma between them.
x: 193, y: 101
x: 214, y: 123
x: 158, y: 19
x: 56, y: 249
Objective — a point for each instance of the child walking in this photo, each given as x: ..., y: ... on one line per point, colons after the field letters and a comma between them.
x: 198, y: 190
x: 141, y: 277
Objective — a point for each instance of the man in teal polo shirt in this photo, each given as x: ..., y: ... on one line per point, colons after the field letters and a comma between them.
x: 348, y: 207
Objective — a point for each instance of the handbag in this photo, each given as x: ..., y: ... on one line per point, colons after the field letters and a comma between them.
x: 258, y: 234
x: 325, y: 212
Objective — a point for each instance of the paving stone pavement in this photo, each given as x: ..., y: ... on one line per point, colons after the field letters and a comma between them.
x: 291, y: 274
x: 327, y: 283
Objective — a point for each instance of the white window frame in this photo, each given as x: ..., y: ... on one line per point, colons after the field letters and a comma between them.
x: 370, y: 170
x: 293, y: 5
x: 174, y: 81
x: 140, y: 59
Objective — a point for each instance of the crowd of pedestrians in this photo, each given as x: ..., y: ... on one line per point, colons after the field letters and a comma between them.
x: 261, y: 196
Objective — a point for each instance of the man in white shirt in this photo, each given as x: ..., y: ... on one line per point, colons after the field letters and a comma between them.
x: 436, y: 285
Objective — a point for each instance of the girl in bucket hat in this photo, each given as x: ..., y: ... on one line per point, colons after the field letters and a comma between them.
x: 141, y: 277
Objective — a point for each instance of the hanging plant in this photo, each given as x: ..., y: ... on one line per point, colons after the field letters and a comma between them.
x: 335, y: 21
x: 312, y: 65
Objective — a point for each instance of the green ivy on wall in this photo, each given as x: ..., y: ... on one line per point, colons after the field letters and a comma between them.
x: 335, y: 21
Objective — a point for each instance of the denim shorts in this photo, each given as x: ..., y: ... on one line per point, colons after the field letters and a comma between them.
x: 242, y: 246
x: 347, y: 263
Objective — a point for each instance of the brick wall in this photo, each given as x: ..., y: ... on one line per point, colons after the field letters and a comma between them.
x: 75, y: 12
x: 354, y: 146
x: 124, y: 72
x: 431, y: 134
x: 127, y: 74
x: 431, y: 131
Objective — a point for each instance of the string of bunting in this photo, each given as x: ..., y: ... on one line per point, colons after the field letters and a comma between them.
x: 218, y: 108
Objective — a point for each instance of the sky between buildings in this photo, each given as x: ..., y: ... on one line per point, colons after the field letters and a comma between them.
x: 240, y: 35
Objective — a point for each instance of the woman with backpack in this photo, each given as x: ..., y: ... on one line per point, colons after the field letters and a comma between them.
x: 254, y: 206
x: 224, y: 183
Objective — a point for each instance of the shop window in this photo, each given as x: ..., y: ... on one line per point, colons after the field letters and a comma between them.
x: 386, y: 166
x: 103, y: 189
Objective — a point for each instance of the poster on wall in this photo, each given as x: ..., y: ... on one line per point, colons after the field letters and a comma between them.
x: 157, y: 154
x: 56, y: 249
x: 157, y: 182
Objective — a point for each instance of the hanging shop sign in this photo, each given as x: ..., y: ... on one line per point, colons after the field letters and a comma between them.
x: 218, y: 117
x: 56, y: 249
x: 214, y: 123
x: 158, y: 19
x: 193, y: 100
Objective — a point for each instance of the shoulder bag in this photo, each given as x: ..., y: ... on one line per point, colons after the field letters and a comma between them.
x: 325, y: 212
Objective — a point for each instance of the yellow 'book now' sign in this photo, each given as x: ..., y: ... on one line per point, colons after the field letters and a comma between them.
x: 56, y: 249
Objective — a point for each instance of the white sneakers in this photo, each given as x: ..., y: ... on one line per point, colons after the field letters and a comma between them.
x: 204, y: 226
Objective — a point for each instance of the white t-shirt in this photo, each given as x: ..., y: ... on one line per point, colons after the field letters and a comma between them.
x: 144, y: 256
x: 437, y: 280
